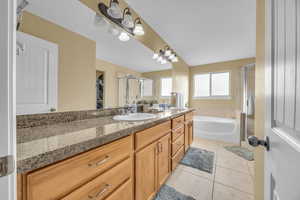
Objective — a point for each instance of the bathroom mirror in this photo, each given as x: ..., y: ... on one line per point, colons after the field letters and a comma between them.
x: 68, y: 62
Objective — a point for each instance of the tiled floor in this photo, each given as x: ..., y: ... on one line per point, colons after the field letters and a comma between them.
x: 232, y: 178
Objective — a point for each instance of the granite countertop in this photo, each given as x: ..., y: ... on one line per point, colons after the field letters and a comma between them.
x: 44, y: 145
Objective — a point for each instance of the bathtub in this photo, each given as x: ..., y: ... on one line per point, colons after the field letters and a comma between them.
x: 216, y: 128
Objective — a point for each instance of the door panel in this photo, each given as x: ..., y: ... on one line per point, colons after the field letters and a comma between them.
x: 164, y: 159
x: 282, y: 162
x: 145, y: 168
x: 37, y: 63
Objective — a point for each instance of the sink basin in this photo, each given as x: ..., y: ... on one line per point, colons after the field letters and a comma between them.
x: 134, y: 117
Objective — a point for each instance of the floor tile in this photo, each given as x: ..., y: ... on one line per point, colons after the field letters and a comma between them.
x: 196, y: 172
x: 230, y: 160
x: 222, y: 192
x: 234, y: 179
x: 198, y: 187
x: 251, y: 167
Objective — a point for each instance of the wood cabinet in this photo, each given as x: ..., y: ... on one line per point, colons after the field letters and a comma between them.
x: 105, y: 184
x: 85, y: 171
x: 152, y: 168
x: 146, y: 172
x: 164, y: 159
x: 191, y: 132
x: 188, y: 130
x: 132, y: 168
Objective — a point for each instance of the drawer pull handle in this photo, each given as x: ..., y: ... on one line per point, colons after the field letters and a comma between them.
x: 100, y: 162
x: 103, y: 189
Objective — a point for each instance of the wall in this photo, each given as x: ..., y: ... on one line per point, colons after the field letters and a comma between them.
x: 220, y: 107
x: 111, y: 84
x: 156, y: 76
x: 259, y: 98
x: 76, y: 78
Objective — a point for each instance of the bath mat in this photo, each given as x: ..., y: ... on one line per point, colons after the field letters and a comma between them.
x: 241, y: 151
x: 199, y: 159
x: 168, y: 193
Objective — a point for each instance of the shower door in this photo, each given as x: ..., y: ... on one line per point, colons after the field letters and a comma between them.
x: 248, y: 111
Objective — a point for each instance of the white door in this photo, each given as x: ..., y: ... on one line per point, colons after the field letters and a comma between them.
x: 282, y: 161
x: 37, y: 62
x: 7, y: 96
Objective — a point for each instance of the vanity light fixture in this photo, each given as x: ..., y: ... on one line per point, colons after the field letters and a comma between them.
x: 138, y: 27
x: 114, y: 9
x: 123, y: 20
x: 127, y: 20
x: 165, y: 55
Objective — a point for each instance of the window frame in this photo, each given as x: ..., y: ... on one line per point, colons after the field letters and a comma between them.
x: 210, y: 86
x: 160, y: 89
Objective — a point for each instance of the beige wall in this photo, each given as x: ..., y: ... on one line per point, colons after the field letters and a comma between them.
x: 156, y: 76
x: 111, y: 85
x: 76, y: 70
x: 259, y: 97
x: 220, y: 107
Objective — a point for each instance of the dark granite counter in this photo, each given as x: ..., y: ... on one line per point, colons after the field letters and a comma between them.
x: 44, y: 145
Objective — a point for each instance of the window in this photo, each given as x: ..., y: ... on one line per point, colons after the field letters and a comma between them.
x: 147, y: 88
x: 202, y: 82
x: 166, y: 87
x: 212, y: 85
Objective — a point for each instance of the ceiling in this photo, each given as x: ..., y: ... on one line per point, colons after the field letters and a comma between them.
x: 74, y: 16
x: 203, y: 31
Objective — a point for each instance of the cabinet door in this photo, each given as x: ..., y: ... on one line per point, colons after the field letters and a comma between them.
x: 186, y: 137
x: 164, y: 159
x: 146, y: 173
x: 191, y: 132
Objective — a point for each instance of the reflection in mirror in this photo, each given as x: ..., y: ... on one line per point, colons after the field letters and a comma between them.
x: 71, y: 62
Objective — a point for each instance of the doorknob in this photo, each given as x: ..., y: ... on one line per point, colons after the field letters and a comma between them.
x: 254, y: 141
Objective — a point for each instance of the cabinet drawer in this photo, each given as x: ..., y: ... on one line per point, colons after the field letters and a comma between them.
x: 105, y: 184
x: 179, y: 142
x: 177, y: 158
x: 177, y: 132
x: 178, y: 121
x: 124, y: 192
x: 150, y: 135
x: 59, y: 179
x: 189, y: 116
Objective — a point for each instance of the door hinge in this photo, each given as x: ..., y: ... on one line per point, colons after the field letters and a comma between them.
x: 7, y: 165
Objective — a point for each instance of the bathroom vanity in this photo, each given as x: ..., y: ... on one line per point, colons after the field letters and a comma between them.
x: 99, y: 158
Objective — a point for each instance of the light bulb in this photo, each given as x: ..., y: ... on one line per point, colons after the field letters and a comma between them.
x: 171, y: 56
x: 138, y: 29
x: 114, y: 10
x: 175, y: 59
x: 127, y: 19
x: 155, y: 56
x: 124, y: 37
x: 168, y: 52
x: 159, y: 59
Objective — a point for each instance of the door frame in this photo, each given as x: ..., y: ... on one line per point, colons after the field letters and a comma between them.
x: 7, y: 91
